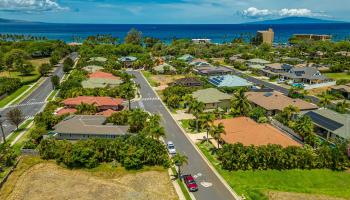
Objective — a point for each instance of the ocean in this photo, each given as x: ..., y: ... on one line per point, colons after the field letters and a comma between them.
x: 218, y: 33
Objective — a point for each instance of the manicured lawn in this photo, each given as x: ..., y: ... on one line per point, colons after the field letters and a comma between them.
x: 52, y: 95
x: 255, y: 184
x: 338, y: 76
x: 12, y: 96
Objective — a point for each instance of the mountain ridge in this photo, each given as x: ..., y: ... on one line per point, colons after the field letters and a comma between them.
x: 296, y: 20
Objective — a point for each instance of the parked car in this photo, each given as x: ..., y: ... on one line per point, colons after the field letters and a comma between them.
x: 171, y: 148
x: 190, y: 183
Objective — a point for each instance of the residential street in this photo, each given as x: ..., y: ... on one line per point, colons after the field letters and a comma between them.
x: 34, y: 102
x: 210, y: 187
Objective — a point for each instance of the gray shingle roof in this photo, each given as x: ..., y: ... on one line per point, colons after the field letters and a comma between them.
x: 88, y: 124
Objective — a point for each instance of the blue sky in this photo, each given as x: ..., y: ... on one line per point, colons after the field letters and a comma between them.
x: 170, y: 11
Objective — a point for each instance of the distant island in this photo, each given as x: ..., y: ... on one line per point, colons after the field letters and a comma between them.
x: 296, y: 20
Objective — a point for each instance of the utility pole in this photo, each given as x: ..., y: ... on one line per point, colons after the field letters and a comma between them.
x: 2, y: 131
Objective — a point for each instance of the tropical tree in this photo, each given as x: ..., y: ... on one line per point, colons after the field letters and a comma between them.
x: 137, y: 120
x: 25, y: 68
x: 196, y: 108
x: 287, y: 114
x: 342, y: 106
x: 217, y: 131
x: 14, y: 58
x: 68, y: 64
x: 206, y: 122
x: 325, y: 100
x: 128, y: 90
x: 55, y: 80
x: 179, y: 160
x: 133, y: 37
x: 44, y: 69
x: 15, y: 117
x: 153, y: 127
x: 187, y: 100
x: 304, y: 126
x: 86, y: 109
x: 239, y: 103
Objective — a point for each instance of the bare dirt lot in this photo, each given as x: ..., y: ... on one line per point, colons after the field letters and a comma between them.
x: 273, y: 195
x: 46, y: 180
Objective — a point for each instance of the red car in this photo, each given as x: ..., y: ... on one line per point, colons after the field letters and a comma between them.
x: 190, y: 183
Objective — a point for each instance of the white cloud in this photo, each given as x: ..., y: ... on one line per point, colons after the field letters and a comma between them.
x: 300, y: 12
x: 30, y: 5
x: 253, y: 12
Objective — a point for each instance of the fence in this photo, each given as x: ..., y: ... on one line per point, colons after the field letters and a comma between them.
x: 30, y: 152
x: 287, y: 130
x: 2, y: 182
x: 313, y: 86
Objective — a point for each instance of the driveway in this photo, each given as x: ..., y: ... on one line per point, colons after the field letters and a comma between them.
x: 210, y: 186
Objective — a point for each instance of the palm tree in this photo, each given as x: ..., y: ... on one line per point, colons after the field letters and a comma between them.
x: 216, y: 132
x: 342, y: 106
x: 86, y: 109
x: 128, y: 90
x: 196, y: 108
x: 240, y: 103
x: 206, y: 122
x: 153, y: 128
x: 179, y: 160
x: 187, y: 100
x: 325, y: 100
x: 290, y: 111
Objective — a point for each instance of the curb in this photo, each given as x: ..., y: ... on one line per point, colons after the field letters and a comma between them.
x: 234, y: 194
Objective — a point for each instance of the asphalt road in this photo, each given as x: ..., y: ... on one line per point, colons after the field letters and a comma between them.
x: 34, y: 102
x: 196, y: 166
x: 281, y: 89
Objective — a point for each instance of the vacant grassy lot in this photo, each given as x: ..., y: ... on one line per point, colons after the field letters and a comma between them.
x: 160, y: 80
x: 338, y: 76
x: 32, y: 77
x: 37, y: 179
x: 300, y: 184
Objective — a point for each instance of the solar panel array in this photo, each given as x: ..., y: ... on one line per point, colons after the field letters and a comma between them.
x: 324, y: 121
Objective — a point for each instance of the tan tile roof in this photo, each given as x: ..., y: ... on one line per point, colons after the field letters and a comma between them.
x: 277, y: 101
x: 248, y: 132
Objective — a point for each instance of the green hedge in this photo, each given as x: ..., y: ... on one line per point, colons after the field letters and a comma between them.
x: 239, y: 157
x: 133, y: 152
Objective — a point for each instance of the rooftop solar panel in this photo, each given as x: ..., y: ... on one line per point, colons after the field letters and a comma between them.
x: 324, y: 121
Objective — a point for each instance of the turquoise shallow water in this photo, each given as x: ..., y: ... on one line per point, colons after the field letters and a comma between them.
x: 218, y: 33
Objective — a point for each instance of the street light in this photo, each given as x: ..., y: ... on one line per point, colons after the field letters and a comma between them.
x: 2, y: 130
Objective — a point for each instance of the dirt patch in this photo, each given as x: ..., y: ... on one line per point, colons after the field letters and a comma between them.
x: 50, y: 181
x: 164, y: 80
x: 274, y: 195
x: 317, y: 91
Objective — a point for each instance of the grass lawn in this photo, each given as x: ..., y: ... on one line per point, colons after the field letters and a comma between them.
x: 148, y: 76
x: 256, y: 184
x: 12, y: 96
x: 182, y: 186
x: 30, y: 78
x: 338, y: 76
x: 52, y: 95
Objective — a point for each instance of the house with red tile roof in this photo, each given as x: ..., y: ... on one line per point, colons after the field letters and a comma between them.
x: 248, y: 132
x: 102, y: 103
